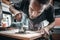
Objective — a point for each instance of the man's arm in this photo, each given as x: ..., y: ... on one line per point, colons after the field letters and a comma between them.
x: 47, y: 28
x: 50, y: 26
x: 13, y: 10
x: 6, y: 2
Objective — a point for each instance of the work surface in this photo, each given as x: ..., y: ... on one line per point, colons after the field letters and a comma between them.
x: 29, y: 35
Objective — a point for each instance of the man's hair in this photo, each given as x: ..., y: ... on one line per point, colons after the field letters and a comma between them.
x: 43, y: 1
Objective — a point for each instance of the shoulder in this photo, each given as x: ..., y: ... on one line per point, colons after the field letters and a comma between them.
x: 50, y: 8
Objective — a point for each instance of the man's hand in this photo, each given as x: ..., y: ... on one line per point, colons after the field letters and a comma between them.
x: 43, y: 31
x: 46, y: 30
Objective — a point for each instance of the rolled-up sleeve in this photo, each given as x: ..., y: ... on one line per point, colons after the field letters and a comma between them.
x: 19, y: 6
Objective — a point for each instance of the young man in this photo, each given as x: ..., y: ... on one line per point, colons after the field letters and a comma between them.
x: 40, y: 10
x: 40, y: 13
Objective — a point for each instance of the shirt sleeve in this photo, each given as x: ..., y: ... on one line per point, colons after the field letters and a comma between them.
x: 50, y: 14
x: 23, y: 6
x: 19, y: 6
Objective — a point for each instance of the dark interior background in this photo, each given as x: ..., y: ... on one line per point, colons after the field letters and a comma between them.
x: 57, y: 7
x: 0, y: 12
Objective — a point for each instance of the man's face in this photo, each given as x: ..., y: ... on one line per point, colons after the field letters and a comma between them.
x: 18, y: 17
x: 34, y: 9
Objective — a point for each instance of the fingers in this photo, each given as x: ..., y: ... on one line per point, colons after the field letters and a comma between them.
x: 46, y: 31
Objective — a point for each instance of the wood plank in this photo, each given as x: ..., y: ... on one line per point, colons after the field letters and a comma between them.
x: 28, y: 36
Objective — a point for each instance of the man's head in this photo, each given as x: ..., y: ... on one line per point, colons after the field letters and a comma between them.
x: 36, y: 6
x: 18, y: 16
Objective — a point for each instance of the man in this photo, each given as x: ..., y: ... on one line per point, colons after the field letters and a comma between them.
x: 40, y: 11
x: 37, y: 9
x: 41, y: 15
